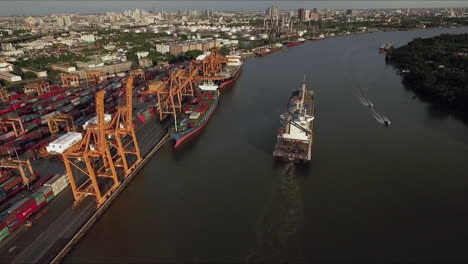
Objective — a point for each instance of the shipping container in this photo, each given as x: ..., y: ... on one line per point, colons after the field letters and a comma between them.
x: 64, y: 142
x: 4, y: 233
x: 9, y: 220
x: 39, y: 198
x: 23, y: 209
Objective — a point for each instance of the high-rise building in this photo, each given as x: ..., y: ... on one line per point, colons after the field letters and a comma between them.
x: 59, y: 21
x: 272, y: 12
x: 67, y: 21
x: 314, y: 16
x: 303, y: 14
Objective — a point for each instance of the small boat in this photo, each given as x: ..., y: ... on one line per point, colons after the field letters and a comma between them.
x: 386, y: 121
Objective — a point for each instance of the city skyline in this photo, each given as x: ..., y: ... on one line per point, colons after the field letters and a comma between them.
x: 52, y: 7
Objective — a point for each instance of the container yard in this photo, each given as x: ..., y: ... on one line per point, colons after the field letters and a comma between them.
x: 92, y: 138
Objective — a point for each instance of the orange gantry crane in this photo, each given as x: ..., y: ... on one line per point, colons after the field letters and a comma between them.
x: 95, y: 76
x: 4, y: 95
x: 138, y: 73
x: 69, y: 80
x: 183, y: 82
x: 15, y: 123
x: 23, y: 166
x: 39, y: 87
x: 122, y: 134
x: 89, y: 164
x: 55, y: 121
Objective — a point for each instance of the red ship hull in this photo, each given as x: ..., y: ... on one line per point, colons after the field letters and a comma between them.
x: 180, y: 141
x: 229, y: 83
x: 295, y: 43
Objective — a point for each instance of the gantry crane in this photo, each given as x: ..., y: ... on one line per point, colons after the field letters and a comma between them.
x: 39, y: 87
x: 69, y: 80
x: 138, y: 73
x: 121, y: 130
x: 182, y: 82
x: 95, y: 76
x: 4, y: 95
x: 91, y: 159
x: 23, y: 166
x: 15, y: 123
x: 55, y: 121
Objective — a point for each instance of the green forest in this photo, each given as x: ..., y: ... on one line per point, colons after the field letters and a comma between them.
x: 435, y: 68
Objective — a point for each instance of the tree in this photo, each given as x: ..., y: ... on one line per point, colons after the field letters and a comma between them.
x: 192, y: 54
x: 224, y: 50
x: 29, y: 75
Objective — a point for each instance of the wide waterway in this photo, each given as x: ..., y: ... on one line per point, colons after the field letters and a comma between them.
x: 371, y: 193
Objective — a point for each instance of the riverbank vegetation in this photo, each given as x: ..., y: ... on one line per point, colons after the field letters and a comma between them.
x: 435, y: 68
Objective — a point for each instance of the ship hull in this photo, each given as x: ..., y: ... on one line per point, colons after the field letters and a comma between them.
x: 291, y: 44
x: 226, y: 84
x: 182, y: 137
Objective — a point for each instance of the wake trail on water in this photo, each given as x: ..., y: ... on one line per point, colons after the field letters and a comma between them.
x: 279, y: 225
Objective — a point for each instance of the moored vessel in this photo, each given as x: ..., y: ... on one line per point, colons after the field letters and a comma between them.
x: 195, y: 113
x: 295, y: 135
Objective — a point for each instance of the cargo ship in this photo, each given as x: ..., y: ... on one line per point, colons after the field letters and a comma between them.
x: 295, y: 135
x: 195, y: 113
x: 295, y: 43
x: 231, y: 71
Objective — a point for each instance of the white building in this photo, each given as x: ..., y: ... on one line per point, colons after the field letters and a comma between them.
x: 6, y: 67
x: 88, y: 38
x: 142, y: 54
x: 162, y: 48
x: 9, y: 77
x: 7, y: 46
x: 13, y: 53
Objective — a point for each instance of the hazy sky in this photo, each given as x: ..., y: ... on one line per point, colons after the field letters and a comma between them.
x: 65, y: 6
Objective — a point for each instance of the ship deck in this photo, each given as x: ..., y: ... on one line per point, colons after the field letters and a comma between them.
x: 296, y: 150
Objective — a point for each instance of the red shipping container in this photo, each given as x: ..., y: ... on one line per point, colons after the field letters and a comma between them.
x: 25, y: 210
x: 12, y: 184
x: 4, y: 179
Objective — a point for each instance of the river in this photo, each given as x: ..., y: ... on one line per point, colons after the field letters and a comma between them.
x: 371, y: 193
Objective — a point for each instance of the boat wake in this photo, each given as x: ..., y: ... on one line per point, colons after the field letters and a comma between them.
x: 364, y: 100
x: 279, y: 226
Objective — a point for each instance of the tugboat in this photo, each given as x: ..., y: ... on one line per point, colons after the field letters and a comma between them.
x: 294, y: 137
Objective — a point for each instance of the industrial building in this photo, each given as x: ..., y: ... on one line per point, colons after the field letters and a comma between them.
x: 9, y: 77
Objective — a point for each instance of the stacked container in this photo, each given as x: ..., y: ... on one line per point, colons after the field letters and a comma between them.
x: 39, y: 199
x: 47, y: 192
x: 23, y: 209
x: 58, y: 183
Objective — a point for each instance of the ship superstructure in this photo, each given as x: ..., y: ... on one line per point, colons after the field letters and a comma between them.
x: 295, y: 135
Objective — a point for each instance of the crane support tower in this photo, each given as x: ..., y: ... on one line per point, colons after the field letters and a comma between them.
x: 89, y: 163
x: 138, y: 73
x: 15, y: 123
x: 23, y: 166
x: 95, y: 76
x: 39, y: 87
x: 70, y: 80
x: 122, y: 134
x: 183, y: 82
x: 54, y: 123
